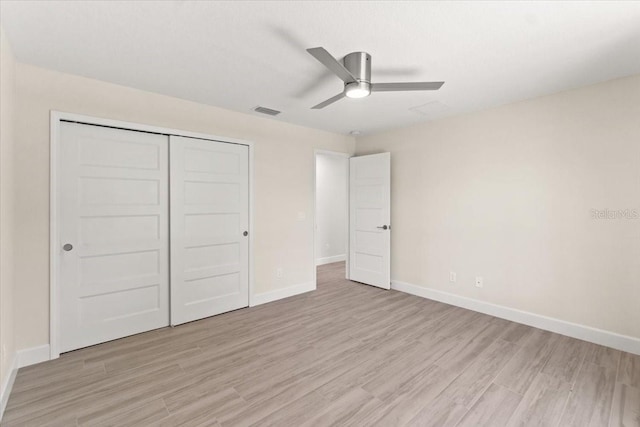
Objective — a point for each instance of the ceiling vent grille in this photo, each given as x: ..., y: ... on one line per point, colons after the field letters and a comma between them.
x: 267, y: 111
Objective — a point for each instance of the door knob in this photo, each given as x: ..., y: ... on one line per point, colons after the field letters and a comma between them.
x: 384, y: 227
x: 67, y: 247
x: 245, y: 234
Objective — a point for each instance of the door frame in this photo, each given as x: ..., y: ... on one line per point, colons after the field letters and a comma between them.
x: 315, y: 209
x: 54, y: 254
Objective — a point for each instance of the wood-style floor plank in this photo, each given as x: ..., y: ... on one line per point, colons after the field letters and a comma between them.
x: 347, y: 354
x: 494, y: 408
x: 626, y: 406
x: 524, y: 367
x: 591, y: 399
x: 629, y: 372
x: 542, y: 404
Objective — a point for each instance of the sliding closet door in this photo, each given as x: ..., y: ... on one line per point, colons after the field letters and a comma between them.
x: 209, y: 199
x: 113, y: 226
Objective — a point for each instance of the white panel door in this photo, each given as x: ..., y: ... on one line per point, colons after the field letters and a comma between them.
x: 370, y: 219
x: 113, y: 228
x: 209, y: 228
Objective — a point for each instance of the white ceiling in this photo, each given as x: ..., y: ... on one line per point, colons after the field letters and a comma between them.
x: 241, y: 54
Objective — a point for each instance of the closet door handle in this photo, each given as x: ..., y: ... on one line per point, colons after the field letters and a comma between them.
x: 245, y: 234
x: 67, y: 247
x: 384, y: 227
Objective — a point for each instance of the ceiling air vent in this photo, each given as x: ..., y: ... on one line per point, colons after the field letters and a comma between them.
x: 267, y: 111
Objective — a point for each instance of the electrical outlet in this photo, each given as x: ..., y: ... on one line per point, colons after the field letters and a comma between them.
x: 279, y: 272
x: 479, y: 282
x: 452, y: 276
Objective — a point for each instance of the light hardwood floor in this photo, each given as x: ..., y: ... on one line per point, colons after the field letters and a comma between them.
x: 346, y: 354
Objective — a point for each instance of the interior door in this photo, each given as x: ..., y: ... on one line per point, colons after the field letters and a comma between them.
x: 113, y: 228
x: 370, y: 219
x: 209, y: 228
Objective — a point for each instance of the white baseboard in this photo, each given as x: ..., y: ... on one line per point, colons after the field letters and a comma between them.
x: 574, y: 330
x: 22, y: 358
x: 330, y: 259
x: 33, y: 355
x: 7, y: 385
x: 270, y: 296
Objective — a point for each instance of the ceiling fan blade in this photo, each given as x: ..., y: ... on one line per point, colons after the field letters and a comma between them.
x: 393, y: 87
x: 329, y: 101
x: 331, y: 63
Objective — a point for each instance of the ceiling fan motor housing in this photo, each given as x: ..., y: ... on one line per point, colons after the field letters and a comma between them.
x: 359, y: 65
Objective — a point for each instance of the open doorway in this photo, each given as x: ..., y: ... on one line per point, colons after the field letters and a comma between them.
x: 331, y: 209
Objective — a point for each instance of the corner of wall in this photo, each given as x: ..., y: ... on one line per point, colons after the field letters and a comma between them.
x: 7, y: 385
x: 8, y: 356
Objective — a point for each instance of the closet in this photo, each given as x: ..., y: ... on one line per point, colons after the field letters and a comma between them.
x: 153, y: 231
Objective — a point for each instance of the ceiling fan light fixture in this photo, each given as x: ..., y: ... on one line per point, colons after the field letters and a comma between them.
x: 357, y: 89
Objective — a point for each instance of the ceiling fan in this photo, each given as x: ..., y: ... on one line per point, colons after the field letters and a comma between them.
x: 355, y: 71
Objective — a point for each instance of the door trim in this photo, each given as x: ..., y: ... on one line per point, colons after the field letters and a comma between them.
x: 54, y: 143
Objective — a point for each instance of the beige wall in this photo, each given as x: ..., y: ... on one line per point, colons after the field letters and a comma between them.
x: 506, y: 194
x: 284, y: 159
x: 6, y: 206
